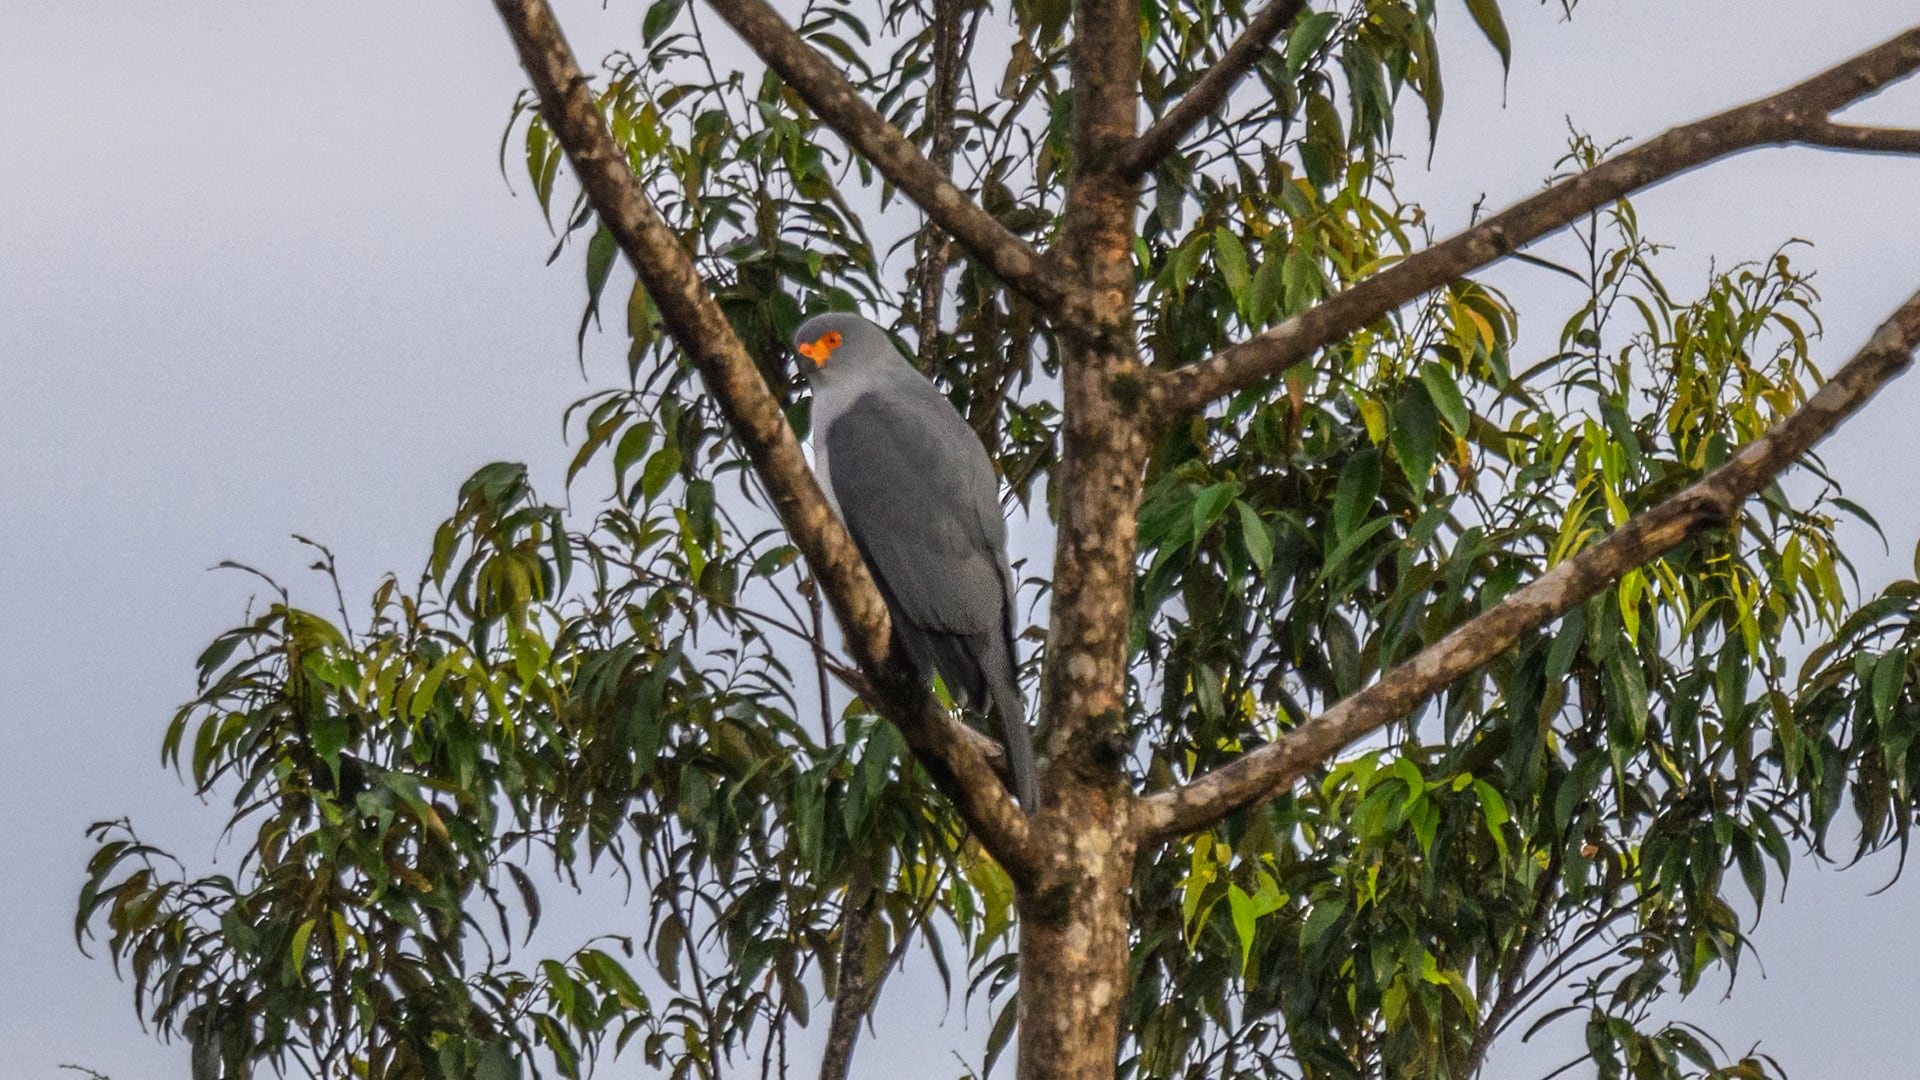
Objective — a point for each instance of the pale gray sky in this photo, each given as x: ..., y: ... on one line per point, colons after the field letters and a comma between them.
x: 259, y: 275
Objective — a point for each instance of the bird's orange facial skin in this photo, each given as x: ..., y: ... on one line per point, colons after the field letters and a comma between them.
x: 820, y: 348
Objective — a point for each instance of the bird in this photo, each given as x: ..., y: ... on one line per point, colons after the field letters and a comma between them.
x: 913, y: 485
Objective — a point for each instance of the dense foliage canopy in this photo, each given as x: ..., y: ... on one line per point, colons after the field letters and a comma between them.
x: 639, y: 678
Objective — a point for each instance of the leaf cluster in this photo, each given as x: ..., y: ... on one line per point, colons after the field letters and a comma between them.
x: 643, y: 692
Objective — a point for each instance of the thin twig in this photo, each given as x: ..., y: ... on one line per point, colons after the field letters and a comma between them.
x: 950, y: 48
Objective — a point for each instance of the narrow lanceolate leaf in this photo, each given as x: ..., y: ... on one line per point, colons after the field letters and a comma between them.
x: 1257, y: 537
x: 1446, y: 397
x: 1889, y: 677
x: 1240, y: 904
x: 1432, y: 90
x: 1486, y: 14
x: 1231, y: 257
x: 601, y: 251
x: 1308, y: 35
x: 1359, y: 484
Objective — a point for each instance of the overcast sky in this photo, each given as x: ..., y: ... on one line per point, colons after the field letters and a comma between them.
x: 259, y: 276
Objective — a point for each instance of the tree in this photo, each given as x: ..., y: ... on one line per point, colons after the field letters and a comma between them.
x: 1304, y: 494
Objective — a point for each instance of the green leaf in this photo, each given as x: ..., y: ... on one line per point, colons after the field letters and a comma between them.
x: 1632, y: 682
x: 1889, y: 677
x: 543, y: 164
x: 1424, y: 816
x: 600, y: 255
x: 422, y: 701
x: 1446, y: 397
x: 1359, y: 485
x: 1404, y: 770
x: 297, y: 951
x: 661, y: 468
x: 599, y: 431
x: 1486, y: 14
x: 1348, y: 546
x: 329, y: 733
x: 1231, y: 258
x: 669, y: 937
x: 1254, y: 533
x: 1416, y: 434
x: 700, y: 512
x: 613, y: 978
x: 497, y: 1063
x: 1320, y: 921
x: 1002, y: 1033
x: 639, y: 326
x: 1566, y: 644
x: 1211, y: 503
x: 1243, y: 922
x: 217, y: 653
x: 660, y: 15
x: 1752, y: 873
x: 1429, y: 83
x: 529, y: 896
x: 773, y: 561
x: 1305, y: 39
x: 1323, y: 152
x: 634, y: 444
x: 1264, y: 297
x: 1493, y: 809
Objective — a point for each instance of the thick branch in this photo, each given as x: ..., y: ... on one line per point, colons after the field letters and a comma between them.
x: 1871, y: 140
x: 1713, y: 500
x: 1210, y: 91
x: 829, y: 94
x: 1796, y: 115
x: 702, y: 331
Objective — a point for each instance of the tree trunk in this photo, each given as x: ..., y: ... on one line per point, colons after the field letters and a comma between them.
x: 1074, y: 928
x: 1074, y: 940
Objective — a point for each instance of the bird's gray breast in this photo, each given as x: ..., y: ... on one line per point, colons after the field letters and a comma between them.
x: 917, y: 493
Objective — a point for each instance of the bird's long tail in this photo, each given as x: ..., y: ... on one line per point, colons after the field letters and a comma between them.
x: 1010, y: 710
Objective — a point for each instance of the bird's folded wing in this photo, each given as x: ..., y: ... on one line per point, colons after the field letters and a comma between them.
x: 906, y: 472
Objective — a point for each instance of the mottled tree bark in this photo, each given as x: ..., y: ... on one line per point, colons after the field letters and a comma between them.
x: 1074, y: 926
x: 1075, y: 937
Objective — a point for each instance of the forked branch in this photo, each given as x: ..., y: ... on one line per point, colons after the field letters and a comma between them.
x: 836, y: 101
x: 696, y: 323
x: 1713, y: 500
x: 1797, y: 115
x: 1210, y: 91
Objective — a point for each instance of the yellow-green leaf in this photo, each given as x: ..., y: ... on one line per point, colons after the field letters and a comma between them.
x: 1486, y: 14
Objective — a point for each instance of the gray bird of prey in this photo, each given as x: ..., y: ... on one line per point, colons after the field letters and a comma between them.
x: 917, y: 493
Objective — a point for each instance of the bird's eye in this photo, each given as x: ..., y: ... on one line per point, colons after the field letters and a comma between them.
x: 833, y: 341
